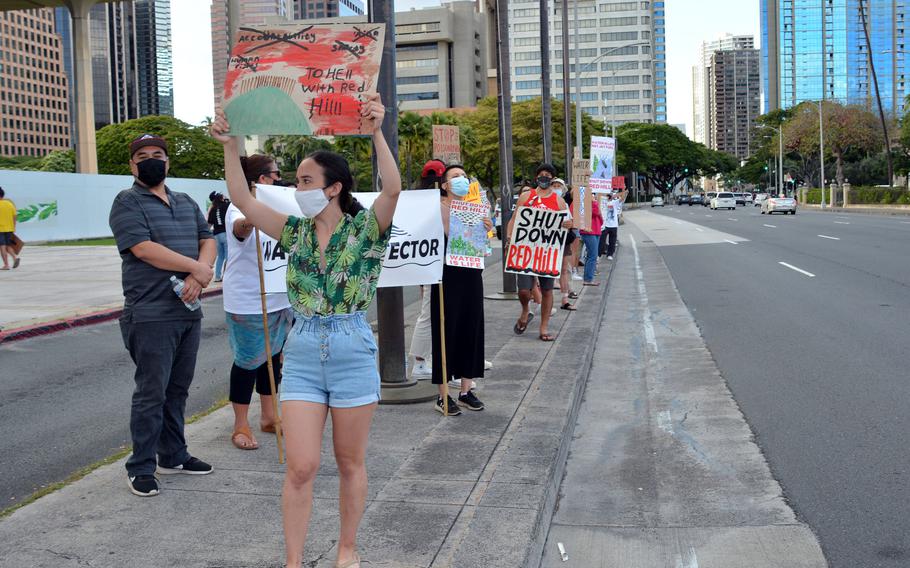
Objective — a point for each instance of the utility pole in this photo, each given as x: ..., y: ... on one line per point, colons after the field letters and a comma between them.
x: 566, y: 114
x: 509, y: 283
x: 547, y: 109
x: 396, y: 388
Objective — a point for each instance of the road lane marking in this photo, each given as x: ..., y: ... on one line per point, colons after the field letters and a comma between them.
x: 699, y: 229
x: 800, y: 270
x: 772, y: 226
x: 842, y: 217
x: 905, y: 222
x: 842, y: 222
x: 649, y: 327
x: 706, y: 215
x: 731, y: 242
x: 832, y: 238
x: 732, y: 219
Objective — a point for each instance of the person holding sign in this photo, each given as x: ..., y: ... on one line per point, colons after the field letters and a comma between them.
x: 463, y: 307
x: 543, y: 197
x: 243, y: 312
x: 611, y: 220
x: 334, y: 262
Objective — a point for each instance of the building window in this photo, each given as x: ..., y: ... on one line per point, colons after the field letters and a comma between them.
x: 425, y: 96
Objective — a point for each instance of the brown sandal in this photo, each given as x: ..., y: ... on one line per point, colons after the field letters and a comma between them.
x: 245, y: 431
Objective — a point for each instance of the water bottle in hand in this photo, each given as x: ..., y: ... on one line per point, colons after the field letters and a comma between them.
x: 178, y: 289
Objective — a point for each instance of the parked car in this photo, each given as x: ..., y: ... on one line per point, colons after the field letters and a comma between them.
x: 657, y: 201
x: 723, y: 200
x: 759, y: 197
x: 708, y: 197
x: 748, y: 198
x: 740, y: 198
x: 779, y: 205
x: 683, y: 200
x: 696, y: 200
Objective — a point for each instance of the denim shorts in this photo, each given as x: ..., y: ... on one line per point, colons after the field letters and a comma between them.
x: 331, y: 360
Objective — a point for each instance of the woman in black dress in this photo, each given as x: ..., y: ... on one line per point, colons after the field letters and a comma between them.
x: 463, y: 296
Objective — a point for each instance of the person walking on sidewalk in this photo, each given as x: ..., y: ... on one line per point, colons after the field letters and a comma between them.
x: 421, y: 340
x: 160, y: 234
x: 243, y: 311
x: 542, y: 197
x: 7, y: 227
x: 334, y: 262
x: 591, y: 240
x: 216, y: 218
x: 565, y: 281
x: 463, y: 305
x: 611, y: 220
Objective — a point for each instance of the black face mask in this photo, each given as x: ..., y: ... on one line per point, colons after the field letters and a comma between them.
x: 282, y: 183
x: 544, y: 182
x: 151, y: 171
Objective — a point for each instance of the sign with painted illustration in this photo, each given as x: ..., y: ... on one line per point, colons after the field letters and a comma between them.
x: 414, y: 254
x: 581, y: 194
x: 446, y: 143
x: 305, y: 79
x: 467, y: 234
x: 537, y: 243
x: 603, y: 163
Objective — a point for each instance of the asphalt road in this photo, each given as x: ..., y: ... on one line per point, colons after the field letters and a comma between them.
x: 815, y: 354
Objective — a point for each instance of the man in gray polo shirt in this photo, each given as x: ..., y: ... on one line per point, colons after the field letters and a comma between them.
x: 160, y: 234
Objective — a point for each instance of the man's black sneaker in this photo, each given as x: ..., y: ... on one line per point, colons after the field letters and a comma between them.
x: 453, y: 408
x: 470, y: 401
x: 192, y: 466
x: 143, y: 485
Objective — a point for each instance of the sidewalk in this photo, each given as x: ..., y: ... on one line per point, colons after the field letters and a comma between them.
x: 60, y: 287
x: 477, y: 490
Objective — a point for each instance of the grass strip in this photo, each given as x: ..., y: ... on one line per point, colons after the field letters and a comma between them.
x: 79, y: 474
x: 108, y: 241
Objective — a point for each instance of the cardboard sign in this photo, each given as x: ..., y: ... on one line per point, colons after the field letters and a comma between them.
x: 446, y: 143
x: 603, y: 163
x: 581, y: 194
x: 306, y: 79
x: 467, y: 234
x: 414, y: 253
x: 537, y: 243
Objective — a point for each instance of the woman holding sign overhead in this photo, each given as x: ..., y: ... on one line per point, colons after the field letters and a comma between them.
x: 330, y: 356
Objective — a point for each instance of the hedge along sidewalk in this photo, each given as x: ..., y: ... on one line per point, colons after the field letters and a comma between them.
x: 472, y: 490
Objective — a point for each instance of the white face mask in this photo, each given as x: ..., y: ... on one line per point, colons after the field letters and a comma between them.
x: 311, y: 201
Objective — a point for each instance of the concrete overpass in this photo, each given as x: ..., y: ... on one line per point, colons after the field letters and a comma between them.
x: 86, y: 151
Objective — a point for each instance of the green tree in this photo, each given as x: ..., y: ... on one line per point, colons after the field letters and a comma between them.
x: 192, y: 153
x: 415, y: 136
x: 59, y: 161
x: 290, y: 150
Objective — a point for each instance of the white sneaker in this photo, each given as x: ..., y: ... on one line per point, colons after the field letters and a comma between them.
x: 552, y: 312
x: 487, y: 365
x: 423, y: 370
x: 609, y: 258
x: 576, y: 276
x: 532, y: 307
x: 455, y: 383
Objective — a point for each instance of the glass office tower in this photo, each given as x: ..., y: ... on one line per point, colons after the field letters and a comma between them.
x: 813, y: 49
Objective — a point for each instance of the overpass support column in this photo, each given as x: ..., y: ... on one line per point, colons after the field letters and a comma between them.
x: 86, y: 150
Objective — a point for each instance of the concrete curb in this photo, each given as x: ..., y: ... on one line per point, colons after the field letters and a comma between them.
x: 54, y: 326
x: 863, y: 210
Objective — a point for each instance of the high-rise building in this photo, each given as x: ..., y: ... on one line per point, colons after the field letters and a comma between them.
x: 131, y: 59
x: 441, y: 56
x: 34, y: 93
x: 814, y: 49
x: 622, y: 56
x: 735, y: 100
x: 310, y: 9
x: 227, y: 16
x: 701, y: 83
x: 154, y: 57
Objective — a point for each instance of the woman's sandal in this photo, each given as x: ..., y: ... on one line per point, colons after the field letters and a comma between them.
x: 547, y: 337
x: 350, y: 563
x: 568, y: 307
x: 519, y: 327
x: 573, y: 295
x: 245, y: 431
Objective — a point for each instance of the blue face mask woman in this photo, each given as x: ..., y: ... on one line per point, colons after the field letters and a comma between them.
x: 334, y: 263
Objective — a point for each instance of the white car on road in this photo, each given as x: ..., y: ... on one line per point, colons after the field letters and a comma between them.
x: 657, y: 201
x: 759, y: 197
x: 723, y: 200
x: 778, y: 205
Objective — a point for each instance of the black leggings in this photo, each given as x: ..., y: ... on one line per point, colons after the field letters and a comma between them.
x: 243, y: 380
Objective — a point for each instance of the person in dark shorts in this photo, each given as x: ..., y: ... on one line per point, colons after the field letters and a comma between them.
x: 7, y: 226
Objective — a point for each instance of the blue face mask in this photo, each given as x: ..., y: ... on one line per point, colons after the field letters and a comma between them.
x: 459, y: 186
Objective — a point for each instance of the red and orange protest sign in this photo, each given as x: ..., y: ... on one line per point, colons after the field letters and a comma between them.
x: 302, y: 79
x: 537, y: 243
x: 446, y: 143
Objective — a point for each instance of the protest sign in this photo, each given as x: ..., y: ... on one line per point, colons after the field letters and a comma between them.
x: 446, y: 143
x: 414, y: 254
x: 581, y: 194
x: 308, y: 79
x: 467, y: 234
x: 603, y: 161
x: 537, y: 242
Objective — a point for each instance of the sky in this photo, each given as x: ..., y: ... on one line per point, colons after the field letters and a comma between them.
x: 689, y: 22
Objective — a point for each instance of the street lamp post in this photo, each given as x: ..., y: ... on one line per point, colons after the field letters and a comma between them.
x: 578, y: 75
x: 821, y: 152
